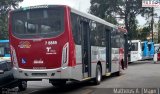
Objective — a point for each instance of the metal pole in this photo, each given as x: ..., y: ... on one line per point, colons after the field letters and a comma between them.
x: 152, y: 22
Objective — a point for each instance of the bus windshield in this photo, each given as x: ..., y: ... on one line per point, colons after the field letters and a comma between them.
x: 134, y: 47
x: 38, y: 23
x: 149, y: 47
x: 4, y: 48
x: 142, y: 46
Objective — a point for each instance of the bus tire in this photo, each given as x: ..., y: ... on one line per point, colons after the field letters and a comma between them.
x: 22, y: 85
x: 98, y: 78
x: 118, y: 73
x: 58, y: 84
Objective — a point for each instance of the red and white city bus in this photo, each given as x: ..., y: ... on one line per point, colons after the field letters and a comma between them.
x: 59, y: 43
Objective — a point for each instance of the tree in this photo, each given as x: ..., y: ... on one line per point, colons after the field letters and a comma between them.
x: 106, y: 9
x: 132, y: 9
x: 143, y: 33
x: 5, y: 7
x: 159, y: 30
x: 127, y: 9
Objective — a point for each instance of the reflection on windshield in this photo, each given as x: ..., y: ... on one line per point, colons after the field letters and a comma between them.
x: 134, y: 47
x: 149, y: 47
x: 38, y: 22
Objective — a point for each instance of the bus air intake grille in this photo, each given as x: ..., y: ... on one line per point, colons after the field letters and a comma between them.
x: 39, y: 74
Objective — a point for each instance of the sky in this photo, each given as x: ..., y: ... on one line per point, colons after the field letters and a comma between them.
x: 82, y: 5
x: 142, y: 20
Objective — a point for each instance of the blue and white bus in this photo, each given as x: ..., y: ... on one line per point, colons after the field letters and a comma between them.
x: 156, y: 47
x: 145, y: 51
x: 135, y: 52
x: 4, y: 50
x: 151, y: 49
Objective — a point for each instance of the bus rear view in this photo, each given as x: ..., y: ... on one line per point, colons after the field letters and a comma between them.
x: 39, y: 42
x: 62, y: 44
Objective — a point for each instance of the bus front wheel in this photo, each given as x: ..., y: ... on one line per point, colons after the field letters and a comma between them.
x: 98, y: 78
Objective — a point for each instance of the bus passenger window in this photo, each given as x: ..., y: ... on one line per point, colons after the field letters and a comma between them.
x: 31, y: 28
x: 134, y: 46
x: 45, y: 28
x: 19, y: 26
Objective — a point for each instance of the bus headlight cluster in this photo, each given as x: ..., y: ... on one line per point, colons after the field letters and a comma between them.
x: 65, y: 54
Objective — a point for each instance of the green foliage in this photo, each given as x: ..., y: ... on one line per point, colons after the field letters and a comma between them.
x: 5, y: 7
x: 159, y: 31
x: 132, y: 9
x: 105, y: 9
x: 127, y: 9
x: 143, y: 33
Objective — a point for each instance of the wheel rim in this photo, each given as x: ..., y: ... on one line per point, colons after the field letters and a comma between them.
x: 24, y: 84
x: 99, y: 75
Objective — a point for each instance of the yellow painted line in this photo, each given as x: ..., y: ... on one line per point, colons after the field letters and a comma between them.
x: 86, y: 78
x: 31, y: 92
x: 88, y: 91
x: 108, y: 74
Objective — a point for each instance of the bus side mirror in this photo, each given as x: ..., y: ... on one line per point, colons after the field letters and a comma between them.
x: 1, y: 72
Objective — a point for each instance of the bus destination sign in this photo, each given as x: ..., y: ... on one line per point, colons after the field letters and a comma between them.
x: 150, y: 3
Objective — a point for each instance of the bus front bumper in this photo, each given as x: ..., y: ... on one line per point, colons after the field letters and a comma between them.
x: 35, y: 74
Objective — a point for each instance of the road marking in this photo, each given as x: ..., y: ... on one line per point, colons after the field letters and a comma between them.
x: 108, y: 74
x: 88, y: 91
x: 31, y: 92
x: 86, y: 78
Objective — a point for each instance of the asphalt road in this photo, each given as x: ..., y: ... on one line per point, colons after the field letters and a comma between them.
x: 138, y: 75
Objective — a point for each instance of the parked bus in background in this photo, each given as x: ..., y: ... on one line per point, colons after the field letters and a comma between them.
x: 7, y: 79
x: 61, y: 44
x: 151, y: 49
x: 156, y: 47
x: 135, y: 50
x: 156, y: 57
x: 145, y: 51
x: 5, y: 50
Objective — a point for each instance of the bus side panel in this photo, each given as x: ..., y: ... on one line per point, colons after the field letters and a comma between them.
x: 152, y: 50
x: 102, y: 58
x: 77, y: 70
x: 136, y: 51
x: 121, y: 57
x: 71, y: 40
x: 94, y: 59
x: 98, y: 54
x: 75, y: 52
x: 115, y: 60
x: 145, y: 51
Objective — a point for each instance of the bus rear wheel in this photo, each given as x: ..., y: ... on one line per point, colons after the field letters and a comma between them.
x: 98, y: 78
x: 58, y: 83
x: 22, y: 85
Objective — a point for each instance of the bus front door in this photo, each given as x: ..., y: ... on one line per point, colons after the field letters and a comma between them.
x: 86, y: 50
x: 108, y: 51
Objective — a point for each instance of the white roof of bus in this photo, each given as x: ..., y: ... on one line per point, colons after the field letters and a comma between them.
x: 89, y: 16
x: 156, y: 44
x: 92, y: 17
x: 135, y: 40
